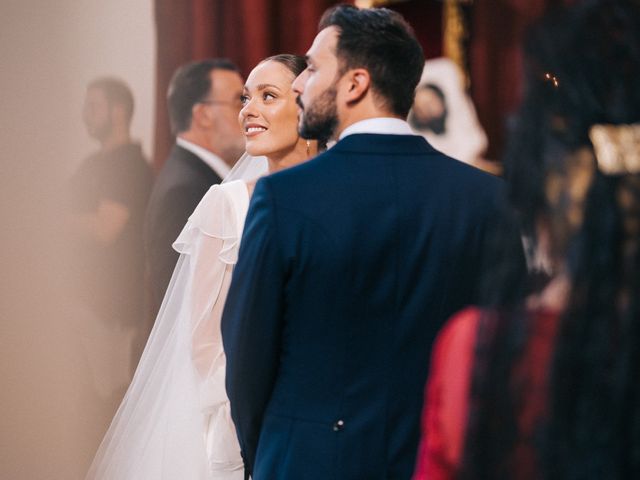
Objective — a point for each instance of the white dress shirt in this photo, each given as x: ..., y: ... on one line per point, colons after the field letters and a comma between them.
x: 381, y: 125
x: 211, y: 159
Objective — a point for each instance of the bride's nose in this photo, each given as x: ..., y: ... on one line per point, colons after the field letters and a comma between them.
x: 247, y: 110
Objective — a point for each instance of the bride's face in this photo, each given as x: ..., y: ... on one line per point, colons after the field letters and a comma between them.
x: 269, y: 117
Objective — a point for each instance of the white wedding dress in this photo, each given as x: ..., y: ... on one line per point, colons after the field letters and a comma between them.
x: 174, y: 422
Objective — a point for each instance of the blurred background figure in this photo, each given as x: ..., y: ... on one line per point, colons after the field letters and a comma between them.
x: 545, y: 384
x: 204, y: 101
x: 444, y: 114
x: 109, y: 194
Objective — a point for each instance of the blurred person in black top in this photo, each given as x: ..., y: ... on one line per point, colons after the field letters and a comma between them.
x: 109, y: 195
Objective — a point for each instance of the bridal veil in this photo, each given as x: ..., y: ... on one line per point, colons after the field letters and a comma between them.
x: 174, y: 420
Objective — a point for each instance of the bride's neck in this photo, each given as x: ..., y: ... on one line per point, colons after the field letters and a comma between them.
x: 297, y: 154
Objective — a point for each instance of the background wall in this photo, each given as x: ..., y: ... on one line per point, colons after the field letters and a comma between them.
x: 116, y: 37
x: 52, y: 415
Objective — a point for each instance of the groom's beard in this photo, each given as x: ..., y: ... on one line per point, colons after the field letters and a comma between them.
x: 319, y: 119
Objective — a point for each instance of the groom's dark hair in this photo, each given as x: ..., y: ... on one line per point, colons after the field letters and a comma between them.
x: 382, y: 42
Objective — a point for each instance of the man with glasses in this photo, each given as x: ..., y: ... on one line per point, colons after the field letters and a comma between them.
x: 204, y: 102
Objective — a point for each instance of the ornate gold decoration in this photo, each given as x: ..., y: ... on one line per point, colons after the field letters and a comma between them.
x: 375, y: 3
x: 455, y: 31
x: 551, y: 78
x: 617, y: 148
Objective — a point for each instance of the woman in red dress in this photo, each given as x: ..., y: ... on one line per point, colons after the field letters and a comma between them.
x: 546, y: 382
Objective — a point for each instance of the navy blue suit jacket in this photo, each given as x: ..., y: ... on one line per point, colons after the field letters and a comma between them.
x: 348, y: 267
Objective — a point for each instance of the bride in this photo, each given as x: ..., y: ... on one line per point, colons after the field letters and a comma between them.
x: 174, y: 421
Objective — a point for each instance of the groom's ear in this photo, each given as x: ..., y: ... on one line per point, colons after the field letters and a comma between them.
x: 201, y: 115
x: 358, y: 82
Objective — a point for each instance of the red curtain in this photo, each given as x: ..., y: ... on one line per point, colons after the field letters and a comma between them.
x: 247, y: 31
x: 244, y: 31
x: 426, y: 19
x: 495, y: 58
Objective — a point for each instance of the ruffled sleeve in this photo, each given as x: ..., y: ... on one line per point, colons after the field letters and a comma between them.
x: 211, y: 238
x: 220, y: 214
x: 446, y: 407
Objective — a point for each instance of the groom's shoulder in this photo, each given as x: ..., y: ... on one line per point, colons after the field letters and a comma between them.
x: 461, y: 170
x: 368, y: 155
x: 476, y: 185
x: 310, y: 171
x: 361, y: 146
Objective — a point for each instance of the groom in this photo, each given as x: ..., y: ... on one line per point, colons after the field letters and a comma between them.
x: 349, y: 265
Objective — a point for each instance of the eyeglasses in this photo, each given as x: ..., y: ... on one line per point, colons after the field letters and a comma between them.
x: 232, y: 103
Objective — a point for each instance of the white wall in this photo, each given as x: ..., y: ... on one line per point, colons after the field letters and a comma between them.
x: 51, y: 419
x: 52, y: 49
x: 116, y: 37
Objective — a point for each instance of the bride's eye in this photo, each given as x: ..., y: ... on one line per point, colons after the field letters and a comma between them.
x: 244, y: 99
x: 266, y: 96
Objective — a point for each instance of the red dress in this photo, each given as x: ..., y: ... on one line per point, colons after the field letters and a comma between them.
x: 445, y: 410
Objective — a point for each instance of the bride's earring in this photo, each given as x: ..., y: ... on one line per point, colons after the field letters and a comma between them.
x: 308, y: 148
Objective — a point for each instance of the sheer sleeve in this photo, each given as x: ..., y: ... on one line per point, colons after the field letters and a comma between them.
x: 174, y: 421
x: 445, y: 411
x: 212, y: 241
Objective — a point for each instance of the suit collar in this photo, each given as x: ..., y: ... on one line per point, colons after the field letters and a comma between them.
x: 380, y: 125
x: 185, y: 157
x: 385, y: 144
x: 212, y: 160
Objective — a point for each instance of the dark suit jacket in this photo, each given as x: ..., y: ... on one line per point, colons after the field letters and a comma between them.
x: 348, y: 266
x: 179, y: 187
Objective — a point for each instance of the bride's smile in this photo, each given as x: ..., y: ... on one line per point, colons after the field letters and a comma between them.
x: 252, y: 129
